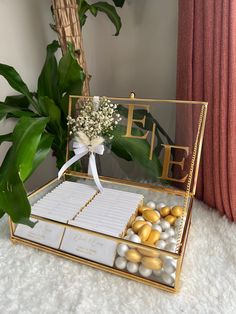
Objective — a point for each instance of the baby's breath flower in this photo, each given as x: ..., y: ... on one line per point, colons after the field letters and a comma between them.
x: 95, y: 118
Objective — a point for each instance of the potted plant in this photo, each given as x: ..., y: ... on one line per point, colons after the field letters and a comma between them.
x: 41, y: 122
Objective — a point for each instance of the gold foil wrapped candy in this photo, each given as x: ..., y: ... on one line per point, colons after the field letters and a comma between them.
x: 165, y: 211
x: 143, y: 208
x: 154, y: 236
x: 149, y: 253
x: 151, y: 215
x: 133, y: 255
x: 177, y: 211
x: 171, y: 219
x: 144, y: 232
x: 138, y: 225
x: 152, y: 263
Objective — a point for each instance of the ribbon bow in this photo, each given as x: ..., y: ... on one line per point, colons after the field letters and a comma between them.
x: 82, y: 146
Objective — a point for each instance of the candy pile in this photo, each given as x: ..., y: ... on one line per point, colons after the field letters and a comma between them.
x: 156, y: 226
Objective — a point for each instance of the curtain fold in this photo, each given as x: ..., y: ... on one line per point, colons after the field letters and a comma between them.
x: 206, y: 70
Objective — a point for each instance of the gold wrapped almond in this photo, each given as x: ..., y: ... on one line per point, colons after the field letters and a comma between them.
x: 137, y: 225
x: 165, y: 211
x: 152, y: 263
x: 171, y: 219
x: 133, y: 255
x: 154, y: 236
x: 143, y: 208
x: 144, y: 232
x: 177, y: 211
x: 151, y: 215
x: 149, y: 253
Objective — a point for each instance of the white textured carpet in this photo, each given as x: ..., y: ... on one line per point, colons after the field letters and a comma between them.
x: 35, y: 282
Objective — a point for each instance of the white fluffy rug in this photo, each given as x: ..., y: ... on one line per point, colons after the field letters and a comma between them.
x: 35, y: 282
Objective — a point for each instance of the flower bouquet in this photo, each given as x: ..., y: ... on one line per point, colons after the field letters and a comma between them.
x: 92, y: 127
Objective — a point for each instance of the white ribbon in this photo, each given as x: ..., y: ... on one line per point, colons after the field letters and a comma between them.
x: 81, y: 150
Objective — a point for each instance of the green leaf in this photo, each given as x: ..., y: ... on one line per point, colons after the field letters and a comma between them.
x: 119, y: 3
x: 14, y: 111
x: 43, y: 150
x: 93, y: 10
x: 48, y: 79
x: 120, y: 150
x: 83, y: 8
x: 14, y: 199
x: 3, y: 116
x: 2, y: 213
x: 27, y: 221
x: 50, y: 109
x: 75, y: 89
x: 17, y: 166
x: 15, y: 81
x: 18, y: 101
x: 138, y: 149
x: 6, y: 138
x: 64, y: 103
x: 83, y: 19
x: 111, y: 13
x: 56, y: 125
x: 70, y: 72
x: 26, y: 138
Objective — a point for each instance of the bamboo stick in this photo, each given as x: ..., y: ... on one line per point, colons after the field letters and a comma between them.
x: 68, y: 28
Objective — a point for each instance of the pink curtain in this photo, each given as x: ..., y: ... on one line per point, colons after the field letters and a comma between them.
x: 206, y: 71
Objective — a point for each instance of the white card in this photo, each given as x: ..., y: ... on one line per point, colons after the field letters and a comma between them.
x: 43, y: 232
x: 89, y: 246
x: 110, y: 230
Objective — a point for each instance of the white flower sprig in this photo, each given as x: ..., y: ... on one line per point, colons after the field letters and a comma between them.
x: 97, y: 117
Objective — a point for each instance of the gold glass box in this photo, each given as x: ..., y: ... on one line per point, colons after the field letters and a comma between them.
x: 153, y: 157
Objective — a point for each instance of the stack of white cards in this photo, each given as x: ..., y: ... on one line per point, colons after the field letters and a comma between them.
x: 61, y: 204
x: 81, y: 205
x: 64, y: 202
x: 109, y: 212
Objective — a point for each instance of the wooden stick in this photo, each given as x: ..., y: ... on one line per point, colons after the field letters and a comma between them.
x: 68, y: 28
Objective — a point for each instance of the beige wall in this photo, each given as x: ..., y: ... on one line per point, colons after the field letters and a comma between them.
x: 141, y: 58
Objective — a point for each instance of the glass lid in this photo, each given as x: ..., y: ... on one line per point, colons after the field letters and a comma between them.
x: 152, y: 141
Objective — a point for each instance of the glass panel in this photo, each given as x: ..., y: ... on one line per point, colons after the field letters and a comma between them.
x: 66, y: 223
x: 147, y: 145
x: 139, y: 223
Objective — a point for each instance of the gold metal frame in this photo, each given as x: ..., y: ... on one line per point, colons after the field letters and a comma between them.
x: 178, y: 257
x: 187, y: 195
